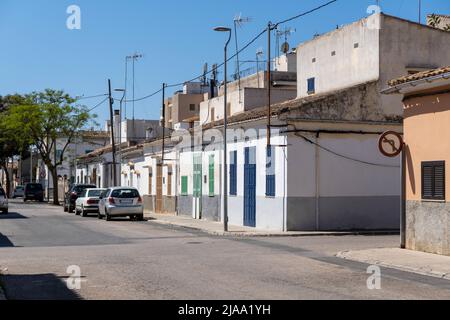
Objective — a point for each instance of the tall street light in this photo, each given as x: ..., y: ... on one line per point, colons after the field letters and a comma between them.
x: 225, y: 126
x: 120, y: 127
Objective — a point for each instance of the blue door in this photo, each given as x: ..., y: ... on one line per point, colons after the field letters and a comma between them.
x: 250, y: 187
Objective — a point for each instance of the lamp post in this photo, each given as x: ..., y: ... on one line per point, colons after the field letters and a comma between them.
x: 225, y: 126
x: 120, y: 128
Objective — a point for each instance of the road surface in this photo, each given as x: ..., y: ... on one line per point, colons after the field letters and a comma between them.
x: 140, y: 260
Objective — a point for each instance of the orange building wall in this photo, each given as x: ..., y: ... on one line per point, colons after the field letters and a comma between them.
x: 427, y: 136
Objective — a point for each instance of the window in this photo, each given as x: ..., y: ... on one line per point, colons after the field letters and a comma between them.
x: 356, y: 45
x: 169, y: 181
x: 313, y: 60
x: 184, y: 186
x: 333, y: 53
x: 192, y: 107
x: 433, y: 180
x: 211, y: 176
x: 150, y: 181
x: 311, y: 85
x: 270, y: 172
x: 233, y: 173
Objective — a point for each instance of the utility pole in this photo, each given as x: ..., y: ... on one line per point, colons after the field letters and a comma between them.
x: 163, y: 122
x: 113, y: 142
x: 269, y: 84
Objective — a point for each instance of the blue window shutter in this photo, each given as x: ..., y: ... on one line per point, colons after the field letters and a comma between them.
x: 233, y: 173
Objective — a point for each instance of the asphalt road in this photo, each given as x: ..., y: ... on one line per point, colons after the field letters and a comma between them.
x: 143, y: 260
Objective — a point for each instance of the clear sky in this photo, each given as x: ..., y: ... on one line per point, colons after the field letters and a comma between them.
x: 176, y: 38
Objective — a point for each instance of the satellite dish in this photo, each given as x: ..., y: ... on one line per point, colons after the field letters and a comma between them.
x: 285, y: 47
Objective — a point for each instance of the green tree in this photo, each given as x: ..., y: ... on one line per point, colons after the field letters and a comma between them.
x: 49, y: 118
x: 13, y: 142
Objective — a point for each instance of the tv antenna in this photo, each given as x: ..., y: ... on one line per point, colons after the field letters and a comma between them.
x: 287, y: 32
x: 239, y: 21
x: 259, y: 54
x: 205, y: 71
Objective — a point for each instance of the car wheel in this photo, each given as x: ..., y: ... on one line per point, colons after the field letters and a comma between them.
x: 77, y: 212
x: 83, y: 212
x: 107, y: 216
x: 24, y: 199
x: 65, y: 208
x: 140, y: 217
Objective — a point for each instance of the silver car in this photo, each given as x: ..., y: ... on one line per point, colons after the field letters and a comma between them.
x: 121, y: 202
x: 3, y: 201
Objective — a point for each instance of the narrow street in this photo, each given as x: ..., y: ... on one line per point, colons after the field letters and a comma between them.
x: 140, y: 260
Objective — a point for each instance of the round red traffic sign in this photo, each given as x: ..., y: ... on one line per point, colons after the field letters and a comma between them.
x: 391, y: 144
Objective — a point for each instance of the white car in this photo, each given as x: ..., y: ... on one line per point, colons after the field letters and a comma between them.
x: 88, y: 201
x: 3, y: 201
x: 121, y: 202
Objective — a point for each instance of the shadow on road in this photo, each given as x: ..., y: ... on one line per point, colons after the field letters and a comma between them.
x: 12, y: 216
x: 37, y: 287
x: 5, y: 242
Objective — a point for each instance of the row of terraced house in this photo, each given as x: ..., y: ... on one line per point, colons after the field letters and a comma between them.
x: 322, y: 169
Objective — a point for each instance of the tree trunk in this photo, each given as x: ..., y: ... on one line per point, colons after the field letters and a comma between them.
x: 54, y: 173
x: 4, y: 165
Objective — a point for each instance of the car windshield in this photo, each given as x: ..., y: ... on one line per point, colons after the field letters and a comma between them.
x: 125, y: 194
x: 80, y: 189
x: 2, y: 193
x: 34, y: 187
x: 19, y: 188
x: 95, y: 193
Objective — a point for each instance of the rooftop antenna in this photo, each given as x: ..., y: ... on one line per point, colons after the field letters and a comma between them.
x: 259, y: 54
x: 205, y: 71
x: 284, y: 33
x: 134, y: 57
x: 239, y: 21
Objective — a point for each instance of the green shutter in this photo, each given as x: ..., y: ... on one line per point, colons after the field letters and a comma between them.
x: 184, y: 186
x: 211, y: 176
x: 197, y: 175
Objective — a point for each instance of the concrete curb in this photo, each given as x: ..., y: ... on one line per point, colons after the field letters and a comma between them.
x: 274, y: 235
x: 424, y: 272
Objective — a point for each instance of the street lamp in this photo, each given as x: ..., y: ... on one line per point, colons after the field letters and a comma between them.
x: 120, y: 128
x: 225, y: 126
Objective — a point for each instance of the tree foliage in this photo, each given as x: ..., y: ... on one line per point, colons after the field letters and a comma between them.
x: 48, y: 118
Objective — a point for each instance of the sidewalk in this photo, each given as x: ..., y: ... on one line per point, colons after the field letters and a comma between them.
x: 216, y: 228
x: 411, y: 261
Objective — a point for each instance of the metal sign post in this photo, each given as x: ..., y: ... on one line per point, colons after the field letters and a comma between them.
x: 391, y: 145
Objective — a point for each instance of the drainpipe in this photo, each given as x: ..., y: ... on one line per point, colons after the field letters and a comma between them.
x: 317, y: 182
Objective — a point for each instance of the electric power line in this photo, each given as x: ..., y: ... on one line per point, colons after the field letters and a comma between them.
x: 91, y: 97
x: 98, y: 105
x: 238, y: 52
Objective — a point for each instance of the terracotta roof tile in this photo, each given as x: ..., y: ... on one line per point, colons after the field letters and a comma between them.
x: 419, y: 76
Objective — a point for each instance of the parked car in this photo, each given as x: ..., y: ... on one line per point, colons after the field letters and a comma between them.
x: 121, y: 202
x: 71, y: 197
x: 3, y: 201
x: 88, y: 201
x: 19, y: 192
x: 33, y: 191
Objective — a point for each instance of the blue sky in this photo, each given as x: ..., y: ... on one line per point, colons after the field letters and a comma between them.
x: 176, y: 38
